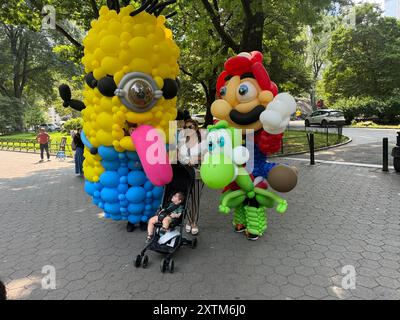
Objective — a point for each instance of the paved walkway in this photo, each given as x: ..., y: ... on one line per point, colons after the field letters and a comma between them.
x: 337, y: 216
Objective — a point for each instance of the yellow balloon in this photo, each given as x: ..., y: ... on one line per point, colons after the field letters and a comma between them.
x: 109, y: 43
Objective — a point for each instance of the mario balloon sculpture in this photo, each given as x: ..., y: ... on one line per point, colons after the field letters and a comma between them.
x: 249, y: 100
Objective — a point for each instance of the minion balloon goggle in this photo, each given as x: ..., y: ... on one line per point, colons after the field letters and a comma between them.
x: 138, y: 91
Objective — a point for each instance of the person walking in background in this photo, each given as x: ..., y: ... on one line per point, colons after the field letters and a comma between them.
x: 78, y: 146
x: 43, y: 138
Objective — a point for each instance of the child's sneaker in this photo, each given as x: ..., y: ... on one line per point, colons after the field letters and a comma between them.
x: 239, y: 228
x: 148, y: 239
x: 252, y: 237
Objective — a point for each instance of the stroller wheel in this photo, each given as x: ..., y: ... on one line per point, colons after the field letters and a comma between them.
x: 194, y: 243
x: 138, y: 261
x: 163, y: 265
x: 171, y: 266
x: 145, y: 261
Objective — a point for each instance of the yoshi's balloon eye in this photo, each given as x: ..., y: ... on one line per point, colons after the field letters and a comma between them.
x: 210, y: 146
x: 221, y: 142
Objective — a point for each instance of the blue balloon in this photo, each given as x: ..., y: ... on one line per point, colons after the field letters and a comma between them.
x: 110, y: 165
x: 112, y: 208
x: 124, y: 203
x: 148, y: 186
x: 148, y: 207
x: 96, y: 194
x: 148, y: 201
x: 145, y: 218
x: 121, y: 156
x: 156, y: 204
x: 123, y: 171
x: 85, y: 140
x: 123, y: 188
x: 107, y: 215
x: 132, y: 155
x: 108, y: 153
x: 121, y: 197
x: 96, y: 201
x: 101, y: 205
x: 133, y: 219
x: 123, y: 210
x: 116, y: 217
x: 110, y: 179
x: 135, y: 166
x: 136, y: 178
x: 149, y: 194
x: 149, y: 213
x: 131, y: 165
x: 109, y: 195
x: 136, y: 208
x: 136, y: 194
x: 98, y: 186
x: 123, y: 179
x: 158, y: 192
x: 90, y: 187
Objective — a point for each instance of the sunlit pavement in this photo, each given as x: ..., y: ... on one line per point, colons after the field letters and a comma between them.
x: 338, y: 217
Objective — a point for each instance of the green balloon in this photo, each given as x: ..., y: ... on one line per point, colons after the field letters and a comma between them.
x: 243, y: 180
x: 217, y: 171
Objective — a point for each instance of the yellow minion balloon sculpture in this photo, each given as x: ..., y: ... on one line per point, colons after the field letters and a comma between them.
x: 130, y: 94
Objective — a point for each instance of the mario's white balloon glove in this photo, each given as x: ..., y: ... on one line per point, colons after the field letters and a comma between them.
x: 276, y: 116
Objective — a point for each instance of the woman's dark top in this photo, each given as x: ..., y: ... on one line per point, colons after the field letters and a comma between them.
x: 78, y: 141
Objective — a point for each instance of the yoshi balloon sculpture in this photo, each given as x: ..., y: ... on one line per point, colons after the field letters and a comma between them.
x: 224, y: 165
x: 131, y: 65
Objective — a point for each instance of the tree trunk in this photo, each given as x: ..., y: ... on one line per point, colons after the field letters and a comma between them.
x: 252, y: 36
x: 212, y: 93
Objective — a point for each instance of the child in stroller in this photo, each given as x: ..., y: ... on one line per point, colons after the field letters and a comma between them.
x: 166, y: 227
x: 166, y: 216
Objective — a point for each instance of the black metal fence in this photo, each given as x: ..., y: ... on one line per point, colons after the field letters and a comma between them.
x: 32, y: 146
x: 324, y: 137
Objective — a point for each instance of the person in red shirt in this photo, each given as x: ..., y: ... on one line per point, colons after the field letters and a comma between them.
x: 43, y: 138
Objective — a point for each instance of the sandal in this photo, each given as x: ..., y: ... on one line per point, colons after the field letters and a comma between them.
x: 149, y: 238
x: 188, y: 228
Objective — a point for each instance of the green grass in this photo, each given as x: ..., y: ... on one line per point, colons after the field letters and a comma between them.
x: 373, y: 125
x: 296, y: 141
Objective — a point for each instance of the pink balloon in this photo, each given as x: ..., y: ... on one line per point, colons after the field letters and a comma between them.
x: 151, y: 149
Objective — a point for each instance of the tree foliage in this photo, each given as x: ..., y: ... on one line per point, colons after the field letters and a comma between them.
x: 365, y: 60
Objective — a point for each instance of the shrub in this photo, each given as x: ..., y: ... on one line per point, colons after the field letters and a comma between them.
x: 73, y: 124
x: 367, y: 108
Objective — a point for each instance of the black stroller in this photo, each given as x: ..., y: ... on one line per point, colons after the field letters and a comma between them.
x: 183, y: 179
